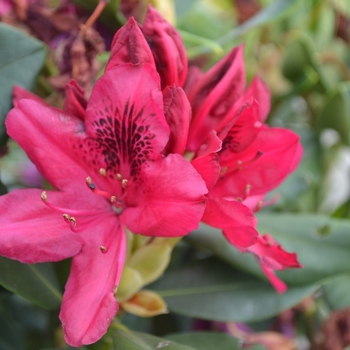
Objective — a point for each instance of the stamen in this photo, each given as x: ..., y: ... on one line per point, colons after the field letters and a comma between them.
x: 262, y: 204
x: 119, y: 177
x: 70, y: 219
x: 43, y: 196
x: 103, y: 249
x: 241, y: 164
x: 124, y: 183
x: 223, y: 170
x: 247, y: 191
x: 98, y: 192
x: 67, y: 211
x: 103, y: 172
x: 115, y: 290
x: 113, y: 199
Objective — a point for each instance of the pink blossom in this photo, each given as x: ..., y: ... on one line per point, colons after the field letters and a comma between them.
x: 239, y: 157
x: 104, y: 158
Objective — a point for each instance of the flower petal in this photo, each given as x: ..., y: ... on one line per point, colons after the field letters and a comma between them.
x: 75, y: 102
x: 177, y: 112
x: 272, y: 256
x: 263, y: 165
x: 31, y: 232
x: 129, y: 46
x: 168, y: 200
x: 209, y: 168
x: 213, y: 97
x: 167, y: 47
x: 236, y: 220
x: 260, y: 92
x: 278, y: 284
x: 89, y: 303
x: 125, y: 117
x: 244, y: 130
x: 48, y: 136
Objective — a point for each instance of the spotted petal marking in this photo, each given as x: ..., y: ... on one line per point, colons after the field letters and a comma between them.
x: 125, y: 119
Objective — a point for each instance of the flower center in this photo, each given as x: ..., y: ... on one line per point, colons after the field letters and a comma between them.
x: 88, y: 218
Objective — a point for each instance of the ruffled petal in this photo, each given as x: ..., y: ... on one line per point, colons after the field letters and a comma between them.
x: 213, y: 97
x: 272, y: 256
x: 89, y: 303
x: 167, y: 47
x: 207, y: 160
x: 262, y: 166
x: 31, y: 232
x: 235, y: 219
x: 260, y: 92
x: 177, y: 112
x: 125, y: 118
x: 75, y: 102
x: 209, y: 168
x: 244, y: 130
x: 278, y: 284
x: 129, y: 46
x: 50, y: 138
x: 167, y: 201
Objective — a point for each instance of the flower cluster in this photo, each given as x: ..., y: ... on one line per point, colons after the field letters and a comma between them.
x: 157, y: 148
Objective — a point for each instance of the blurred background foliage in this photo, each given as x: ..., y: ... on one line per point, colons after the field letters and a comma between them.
x: 301, y: 49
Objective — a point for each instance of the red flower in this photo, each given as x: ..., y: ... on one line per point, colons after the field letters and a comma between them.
x: 239, y: 157
x: 107, y: 167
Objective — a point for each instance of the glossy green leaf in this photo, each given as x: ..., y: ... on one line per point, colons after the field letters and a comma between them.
x: 322, y: 255
x: 210, y: 341
x: 335, y: 113
x: 124, y: 339
x: 11, y: 337
x: 213, y: 290
x: 36, y: 282
x: 275, y: 10
x: 21, y: 59
x: 336, y: 292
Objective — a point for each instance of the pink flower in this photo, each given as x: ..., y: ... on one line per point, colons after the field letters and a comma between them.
x: 239, y: 157
x: 107, y: 167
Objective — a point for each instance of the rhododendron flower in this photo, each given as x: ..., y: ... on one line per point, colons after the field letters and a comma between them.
x: 107, y: 167
x: 239, y: 157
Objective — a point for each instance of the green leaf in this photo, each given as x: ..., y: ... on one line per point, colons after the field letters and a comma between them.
x: 322, y: 255
x: 335, y: 113
x: 11, y: 337
x: 336, y: 292
x: 36, y: 283
x: 274, y: 11
x: 21, y: 59
x: 210, y: 341
x: 211, y: 289
x: 124, y: 339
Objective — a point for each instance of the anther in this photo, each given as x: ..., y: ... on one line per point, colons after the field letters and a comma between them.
x: 124, y: 183
x: 119, y: 177
x: 66, y: 218
x: 247, y: 191
x: 103, y: 249
x: 113, y: 199
x: 43, y: 196
x: 103, y: 172
x: 223, y: 170
x: 88, y: 180
x: 115, y: 290
x: 70, y: 220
